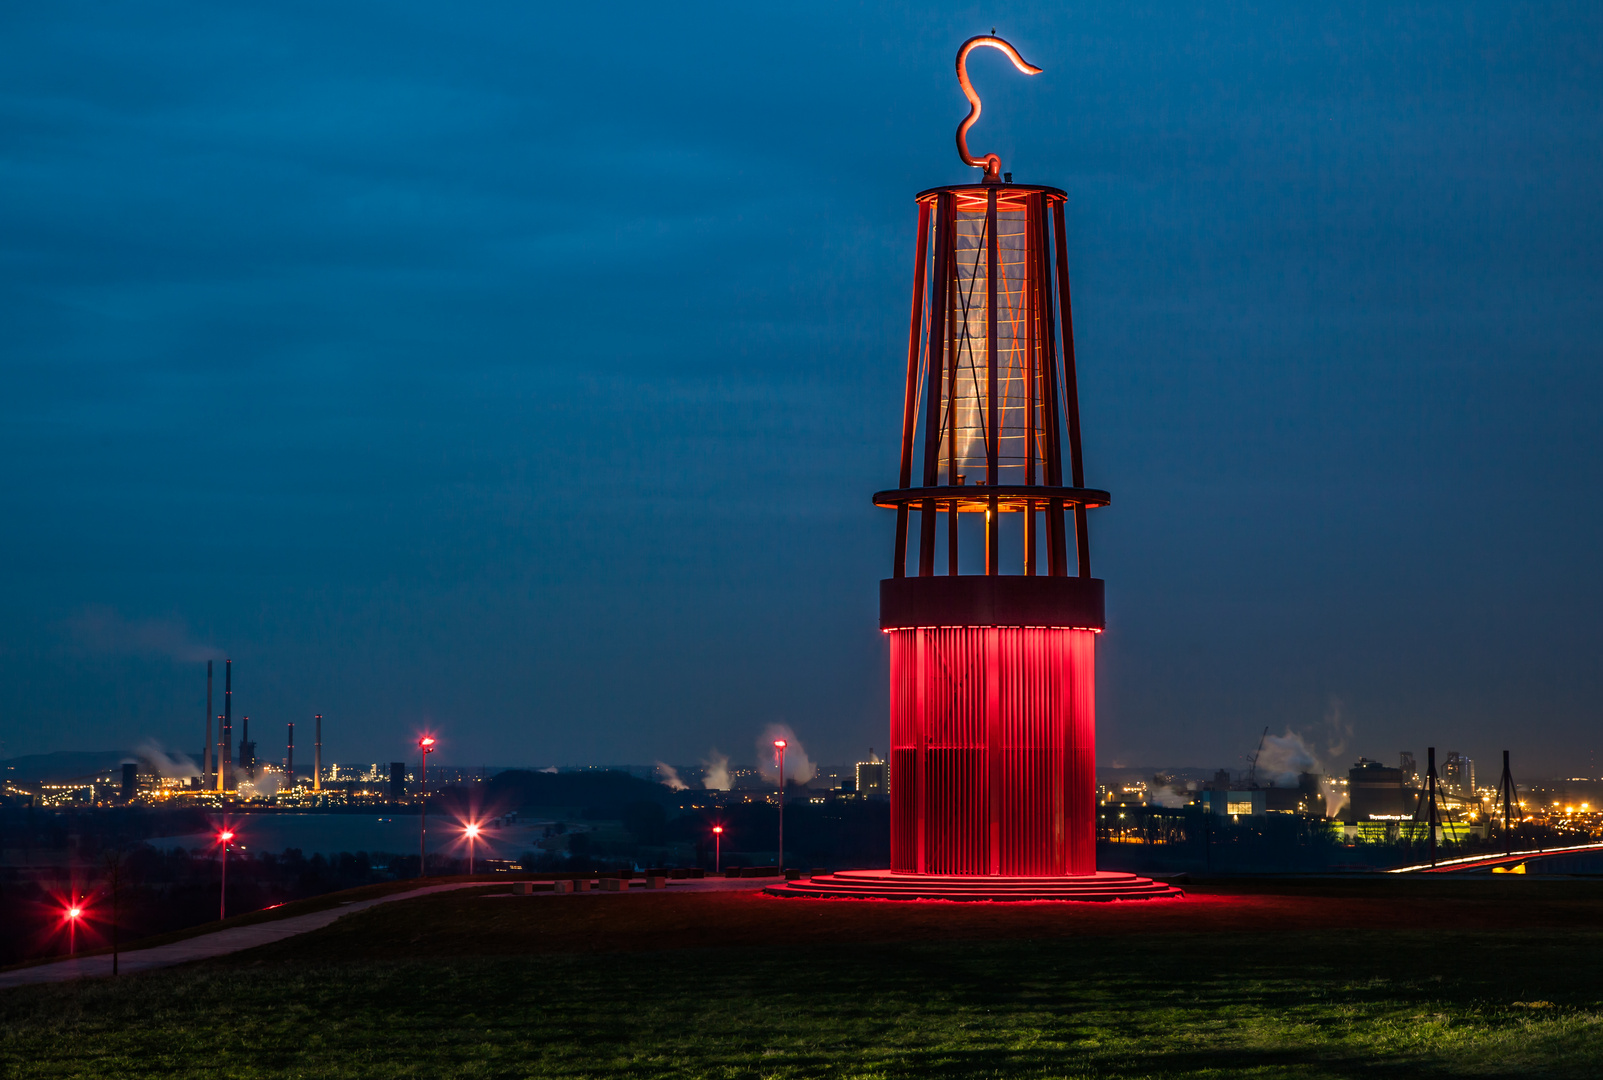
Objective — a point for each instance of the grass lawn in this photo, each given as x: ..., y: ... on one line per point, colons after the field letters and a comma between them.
x: 1381, y: 977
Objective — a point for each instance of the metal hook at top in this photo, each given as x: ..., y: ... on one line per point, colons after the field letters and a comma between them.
x: 990, y: 162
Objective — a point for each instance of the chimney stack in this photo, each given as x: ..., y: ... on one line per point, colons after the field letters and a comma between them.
x: 289, y: 761
x: 206, y: 769
x: 317, y: 756
x: 225, y: 751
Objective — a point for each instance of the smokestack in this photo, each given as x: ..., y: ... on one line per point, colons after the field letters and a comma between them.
x: 206, y: 769
x: 247, y: 749
x: 317, y: 756
x: 289, y: 760
x: 225, y: 760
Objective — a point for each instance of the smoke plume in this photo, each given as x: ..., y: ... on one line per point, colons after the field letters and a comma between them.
x: 1335, y: 797
x: 799, y: 768
x: 104, y: 630
x: 172, y: 766
x: 264, y: 786
x: 1283, y: 757
x: 670, y: 777
x: 1167, y: 791
x: 716, y: 777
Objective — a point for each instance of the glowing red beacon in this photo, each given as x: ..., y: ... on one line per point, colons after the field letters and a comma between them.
x: 992, y: 625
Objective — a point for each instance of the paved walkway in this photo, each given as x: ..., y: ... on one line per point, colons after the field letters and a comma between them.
x: 204, y: 946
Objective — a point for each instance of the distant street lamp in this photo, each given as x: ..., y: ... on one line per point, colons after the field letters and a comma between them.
x: 472, y: 833
x: 779, y: 745
x: 425, y: 747
x: 717, y: 849
x: 224, y: 837
x: 74, y: 913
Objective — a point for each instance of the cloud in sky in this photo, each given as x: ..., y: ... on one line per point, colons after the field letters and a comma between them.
x: 105, y: 631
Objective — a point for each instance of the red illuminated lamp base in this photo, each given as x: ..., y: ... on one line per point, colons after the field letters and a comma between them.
x: 1103, y: 885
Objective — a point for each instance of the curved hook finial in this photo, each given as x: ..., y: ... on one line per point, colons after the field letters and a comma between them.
x: 990, y: 162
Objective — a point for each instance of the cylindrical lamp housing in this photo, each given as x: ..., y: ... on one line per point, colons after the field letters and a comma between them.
x: 993, y: 672
x: 993, y: 750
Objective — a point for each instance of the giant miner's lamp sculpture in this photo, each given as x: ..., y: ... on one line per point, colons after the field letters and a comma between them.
x: 991, y: 609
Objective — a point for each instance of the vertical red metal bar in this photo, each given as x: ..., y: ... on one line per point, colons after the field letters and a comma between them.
x: 1032, y: 213
x: 910, y: 402
x: 921, y: 645
x: 993, y: 744
x: 992, y: 436
x: 951, y: 413
x: 1071, y: 392
x: 1080, y: 683
x: 1057, y: 548
x: 935, y: 365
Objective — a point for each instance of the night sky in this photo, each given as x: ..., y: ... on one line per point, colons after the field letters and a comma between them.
x: 524, y: 371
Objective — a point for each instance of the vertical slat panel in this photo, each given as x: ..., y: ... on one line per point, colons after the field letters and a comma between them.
x: 994, y: 751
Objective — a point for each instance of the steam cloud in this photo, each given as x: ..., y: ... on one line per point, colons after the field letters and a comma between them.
x: 799, y: 768
x: 265, y: 785
x: 717, y: 775
x: 1335, y: 797
x: 172, y: 766
x: 1167, y: 791
x: 1283, y: 757
x: 104, y: 630
x: 670, y: 777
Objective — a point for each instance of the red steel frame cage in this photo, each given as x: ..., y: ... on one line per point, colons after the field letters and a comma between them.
x: 993, y: 691
x: 993, y: 659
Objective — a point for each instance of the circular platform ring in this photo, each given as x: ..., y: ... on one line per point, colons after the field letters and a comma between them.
x: 975, y: 498
x: 1103, y: 886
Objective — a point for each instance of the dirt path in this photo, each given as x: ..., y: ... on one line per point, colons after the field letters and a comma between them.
x: 205, y: 946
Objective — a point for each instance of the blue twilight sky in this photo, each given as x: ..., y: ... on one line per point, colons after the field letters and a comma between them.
x: 524, y: 370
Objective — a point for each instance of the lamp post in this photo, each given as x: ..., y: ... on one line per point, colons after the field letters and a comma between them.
x: 472, y: 833
x: 74, y: 913
x: 113, y: 860
x: 779, y: 746
x: 425, y: 747
x: 717, y: 849
x: 225, y: 838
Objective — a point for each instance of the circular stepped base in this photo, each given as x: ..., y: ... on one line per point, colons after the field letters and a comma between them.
x: 884, y: 885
